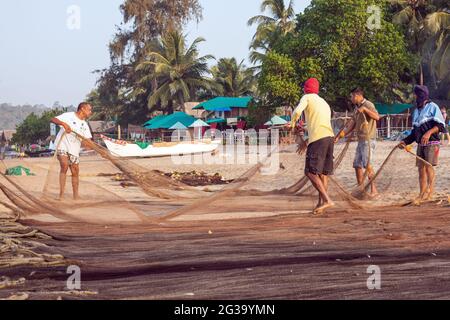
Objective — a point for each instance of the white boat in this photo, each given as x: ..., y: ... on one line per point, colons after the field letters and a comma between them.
x: 124, y: 149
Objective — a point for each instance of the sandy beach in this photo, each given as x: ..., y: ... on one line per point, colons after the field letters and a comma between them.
x: 254, y: 247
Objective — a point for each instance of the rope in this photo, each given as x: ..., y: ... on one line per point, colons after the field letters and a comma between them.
x: 239, y: 183
x: 17, y: 245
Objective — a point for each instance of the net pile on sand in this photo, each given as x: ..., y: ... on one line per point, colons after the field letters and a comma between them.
x: 20, y: 246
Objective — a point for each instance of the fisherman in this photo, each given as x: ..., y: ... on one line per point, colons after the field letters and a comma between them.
x: 320, y: 142
x: 428, y: 122
x: 446, y: 134
x: 68, y: 145
x: 364, y: 123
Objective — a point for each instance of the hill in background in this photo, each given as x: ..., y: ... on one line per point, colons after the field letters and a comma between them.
x: 11, y: 116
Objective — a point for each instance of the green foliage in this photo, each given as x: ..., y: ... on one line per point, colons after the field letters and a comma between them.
x: 278, y: 80
x: 333, y: 43
x: 123, y: 90
x: 258, y: 113
x: 234, y: 80
x: 271, y: 27
x: 426, y: 26
x: 178, y: 71
x: 35, y: 128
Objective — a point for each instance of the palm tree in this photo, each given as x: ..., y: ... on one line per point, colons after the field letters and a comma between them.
x: 280, y: 22
x: 144, y: 20
x: 437, y: 29
x: 176, y: 70
x: 427, y: 25
x: 235, y: 79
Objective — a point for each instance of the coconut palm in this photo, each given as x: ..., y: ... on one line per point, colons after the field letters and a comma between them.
x: 144, y: 20
x: 427, y: 24
x: 234, y: 79
x: 279, y: 22
x: 177, y: 71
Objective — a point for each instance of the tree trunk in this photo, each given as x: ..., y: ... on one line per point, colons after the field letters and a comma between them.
x: 421, y: 74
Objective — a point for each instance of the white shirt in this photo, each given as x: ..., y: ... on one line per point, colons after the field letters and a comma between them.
x: 70, y: 143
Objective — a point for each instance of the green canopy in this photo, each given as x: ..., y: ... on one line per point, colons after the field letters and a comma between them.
x: 224, y: 103
x: 169, y: 121
x: 216, y: 120
x: 386, y: 109
x: 153, y: 120
x: 19, y: 171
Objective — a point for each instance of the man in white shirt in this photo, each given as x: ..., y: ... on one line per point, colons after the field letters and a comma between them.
x: 68, y: 144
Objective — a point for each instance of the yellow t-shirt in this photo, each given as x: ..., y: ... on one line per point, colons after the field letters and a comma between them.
x: 318, y: 117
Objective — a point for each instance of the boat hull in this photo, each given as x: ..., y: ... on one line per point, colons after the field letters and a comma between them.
x: 130, y: 150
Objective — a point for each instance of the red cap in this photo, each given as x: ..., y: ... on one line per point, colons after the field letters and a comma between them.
x: 312, y: 85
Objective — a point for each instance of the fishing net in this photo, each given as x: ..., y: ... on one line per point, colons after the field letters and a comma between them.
x: 141, y: 191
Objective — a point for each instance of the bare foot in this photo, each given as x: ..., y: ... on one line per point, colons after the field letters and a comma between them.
x: 325, y: 206
x: 418, y: 201
x: 318, y: 205
x: 374, y: 196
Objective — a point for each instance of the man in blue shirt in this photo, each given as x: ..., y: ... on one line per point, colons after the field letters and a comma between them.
x: 428, y: 123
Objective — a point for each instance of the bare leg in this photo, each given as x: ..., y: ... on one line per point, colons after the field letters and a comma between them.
x: 372, y: 184
x: 431, y: 181
x: 64, y: 165
x: 324, y: 179
x: 75, y: 169
x: 359, y: 176
x: 422, y: 182
x: 318, y: 184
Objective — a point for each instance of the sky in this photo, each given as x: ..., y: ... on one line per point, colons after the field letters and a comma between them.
x: 50, y: 48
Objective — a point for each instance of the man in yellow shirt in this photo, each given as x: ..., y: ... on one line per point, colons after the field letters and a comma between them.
x: 320, y: 142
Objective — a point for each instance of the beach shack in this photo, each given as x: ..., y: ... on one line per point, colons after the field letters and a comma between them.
x: 99, y: 128
x: 226, y: 111
x: 395, y: 119
x: 162, y: 127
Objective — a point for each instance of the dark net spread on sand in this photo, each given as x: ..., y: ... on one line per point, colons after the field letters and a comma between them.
x: 248, y: 211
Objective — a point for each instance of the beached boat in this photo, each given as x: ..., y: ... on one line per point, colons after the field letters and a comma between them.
x: 125, y: 149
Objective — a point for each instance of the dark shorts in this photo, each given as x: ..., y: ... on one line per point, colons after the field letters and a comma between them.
x: 320, y: 157
x: 429, y: 153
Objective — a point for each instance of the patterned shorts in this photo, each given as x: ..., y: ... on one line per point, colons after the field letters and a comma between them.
x: 72, y: 159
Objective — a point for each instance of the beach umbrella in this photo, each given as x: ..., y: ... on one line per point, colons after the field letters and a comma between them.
x: 178, y: 127
x: 198, y: 125
x: 278, y: 121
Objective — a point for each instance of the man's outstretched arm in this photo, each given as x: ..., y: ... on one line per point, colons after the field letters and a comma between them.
x: 62, y: 124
